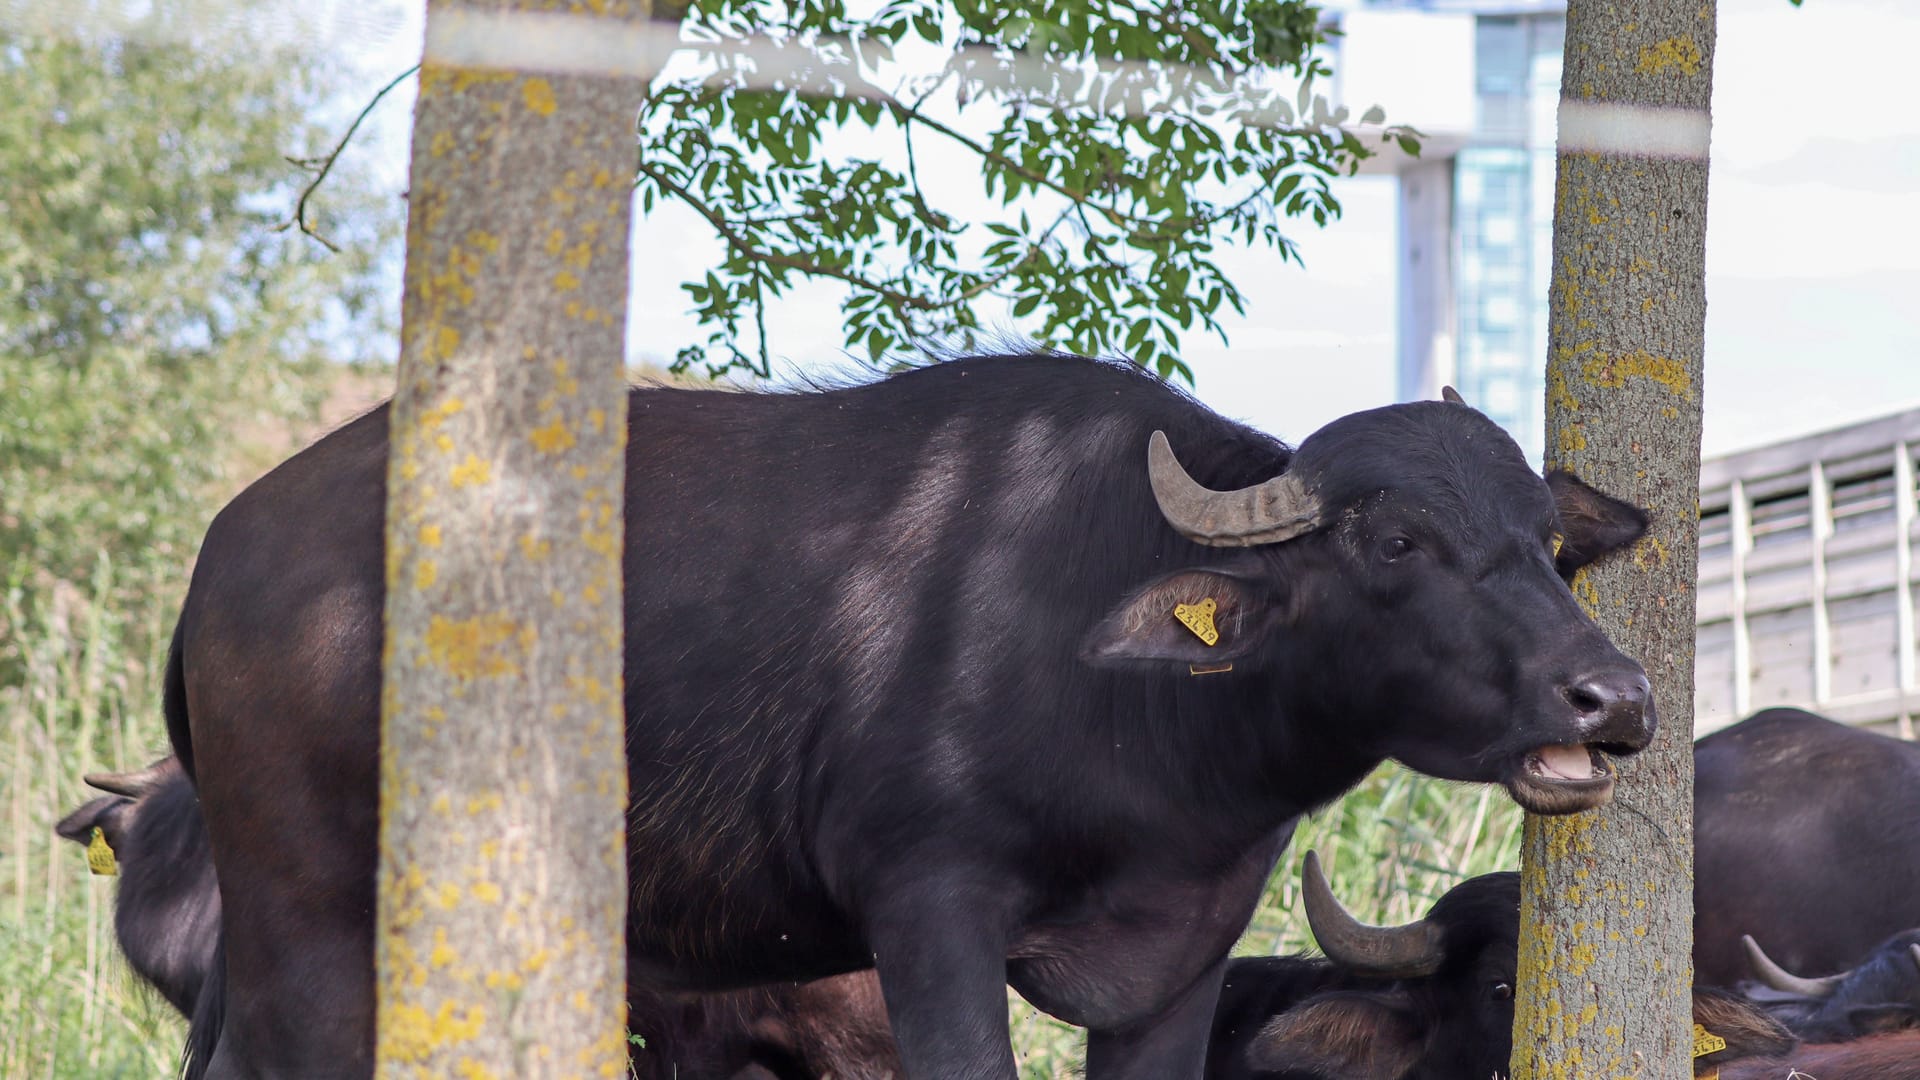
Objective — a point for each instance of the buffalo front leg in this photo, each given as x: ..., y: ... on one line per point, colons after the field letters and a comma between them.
x: 941, y: 956
x: 1170, y: 1045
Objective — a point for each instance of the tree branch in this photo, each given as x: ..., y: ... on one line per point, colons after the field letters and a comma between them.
x: 326, y: 165
x: 747, y: 247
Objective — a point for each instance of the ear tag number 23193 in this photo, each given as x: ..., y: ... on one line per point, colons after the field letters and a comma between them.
x: 1199, y: 619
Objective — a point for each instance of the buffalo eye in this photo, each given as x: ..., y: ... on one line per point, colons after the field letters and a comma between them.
x: 1395, y: 548
x: 1502, y: 991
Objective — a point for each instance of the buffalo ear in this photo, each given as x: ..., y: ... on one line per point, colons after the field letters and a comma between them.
x: 1351, y: 1035
x: 1592, y: 524
x: 1875, y: 1019
x: 1750, y: 1030
x: 107, y: 812
x: 1144, y: 626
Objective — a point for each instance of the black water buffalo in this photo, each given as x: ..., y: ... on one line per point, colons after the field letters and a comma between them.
x: 1807, y: 838
x: 167, y: 907
x: 905, y: 688
x: 1894, y: 1056
x: 1432, y: 1000
x: 1881, y: 993
x: 167, y: 922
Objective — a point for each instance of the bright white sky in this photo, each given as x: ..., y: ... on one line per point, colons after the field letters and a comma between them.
x: 1813, y: 253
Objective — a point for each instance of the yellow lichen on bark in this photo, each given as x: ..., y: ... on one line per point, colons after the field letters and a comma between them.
x: 503, y: 786
x: 1606, y: 896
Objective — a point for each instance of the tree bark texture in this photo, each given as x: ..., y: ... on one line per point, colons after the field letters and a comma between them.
x: 502, y: 898
x: 1606, y: 932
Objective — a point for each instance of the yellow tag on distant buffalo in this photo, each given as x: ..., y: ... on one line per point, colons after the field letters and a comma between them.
x: 1705, y: 1042
x: 1199, y: 619
x: 100, y: 855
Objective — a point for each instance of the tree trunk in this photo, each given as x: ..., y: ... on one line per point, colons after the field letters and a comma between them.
x: 500, y: 948
x: 1606, y: 912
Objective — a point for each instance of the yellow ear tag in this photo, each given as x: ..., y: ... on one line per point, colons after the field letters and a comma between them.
x: 1558, y: 543
x: 1199, y: 619
x: 100, y: 855
x: 1705, y: 1042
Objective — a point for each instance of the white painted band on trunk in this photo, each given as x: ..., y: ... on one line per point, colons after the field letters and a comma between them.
x: 563, y: 44
x: 1588, y: 127
x: 553, y: 44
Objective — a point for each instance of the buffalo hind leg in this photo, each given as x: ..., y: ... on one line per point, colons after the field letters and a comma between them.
x: 1171, y: 1045
x: 941, y: 956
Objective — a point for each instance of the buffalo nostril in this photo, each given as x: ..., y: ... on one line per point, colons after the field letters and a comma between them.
x: 1585, y: 698
x: 1609, y: 693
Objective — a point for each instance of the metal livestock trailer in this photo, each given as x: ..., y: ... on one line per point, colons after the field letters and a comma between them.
x: 1807, y: 578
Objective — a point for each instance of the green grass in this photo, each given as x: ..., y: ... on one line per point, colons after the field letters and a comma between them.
x: 68, y: 1005
x: 70, y: 1008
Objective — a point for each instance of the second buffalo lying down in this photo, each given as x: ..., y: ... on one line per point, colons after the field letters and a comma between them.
x: 1432, y: 1000
x: 907, y: 686
x: 1879, y: 994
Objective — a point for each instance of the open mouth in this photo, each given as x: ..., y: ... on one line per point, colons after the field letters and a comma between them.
x: 1561, y: 779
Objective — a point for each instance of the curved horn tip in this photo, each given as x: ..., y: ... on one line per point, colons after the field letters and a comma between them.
x: 1267, y: 513
x: 1448, y: 393
x: 1914, y: 951
x: 1394, y: 952
x: 133, y: 784
x: 1779, y: 978
x: 112, y: 783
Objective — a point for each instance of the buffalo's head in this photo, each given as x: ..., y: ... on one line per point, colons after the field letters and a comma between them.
x: 1431, y: 1000
x: 1880, y: 994
x: 167, y: 902
x: 1405, y: 582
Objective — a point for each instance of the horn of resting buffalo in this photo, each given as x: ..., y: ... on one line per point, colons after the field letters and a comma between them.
x: 1781, y: 979
x: 1390, y: 952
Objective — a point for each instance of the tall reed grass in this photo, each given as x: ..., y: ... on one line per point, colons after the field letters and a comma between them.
x: 68, y: 1005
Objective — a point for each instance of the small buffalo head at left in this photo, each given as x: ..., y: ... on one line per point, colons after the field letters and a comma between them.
x: 167, y: 900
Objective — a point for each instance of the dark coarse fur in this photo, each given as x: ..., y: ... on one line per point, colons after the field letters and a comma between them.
x: 1894, y: 1056
x: 1749, y: 1030
x: 902, y: 687
x: 1880, y: 994
x: 167, y: 904
x: 1306, y: 1018
x: 832, y: 1029
x: 1807, y: 837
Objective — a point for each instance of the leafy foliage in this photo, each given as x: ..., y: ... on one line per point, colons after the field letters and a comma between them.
x: 1114, y: 146
x: 153, y: 317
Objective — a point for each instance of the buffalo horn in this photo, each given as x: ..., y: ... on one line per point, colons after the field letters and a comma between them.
x: 131, y: 784
x: 1448, y: 393
x: 1389, y: 952
x: 1266, y: 513
x: 1783, y: 980
x: 1915, y: 951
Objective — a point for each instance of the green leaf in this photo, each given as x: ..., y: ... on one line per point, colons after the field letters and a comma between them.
x: 1144, y: 194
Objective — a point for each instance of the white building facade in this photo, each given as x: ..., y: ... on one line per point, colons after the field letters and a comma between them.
x: 1482, y: 81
